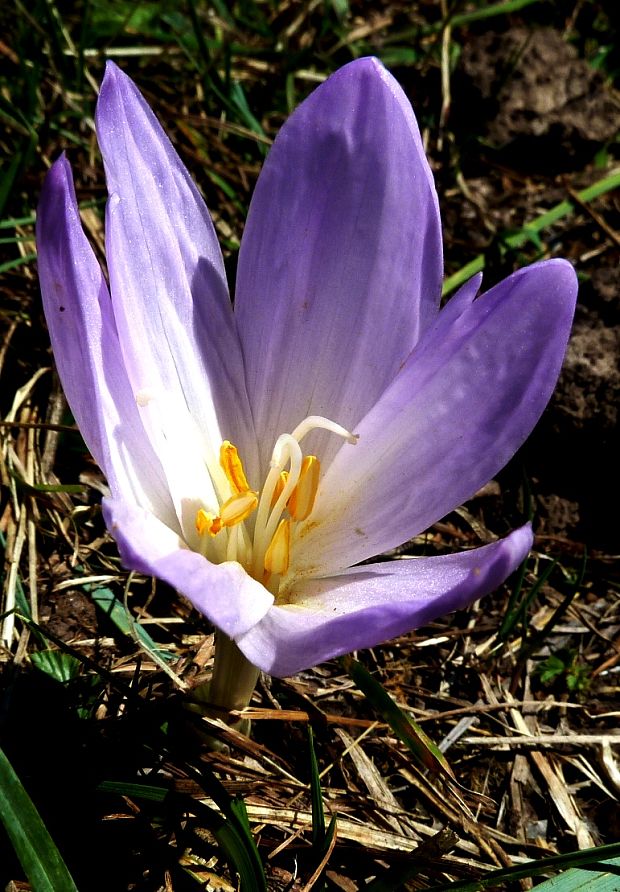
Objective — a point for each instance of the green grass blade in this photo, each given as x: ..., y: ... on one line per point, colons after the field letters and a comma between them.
x: 34, y: 488
x: 149, y: 792
x: 601, y: 858
x: 537, y: 638
x: 243, y: 837
x: 17, y: 261
x: 580, y: 880
x: 112, y: 607
x: 487, y: 12
x: 233, y: 835
x: 514, y: 599
x: 12, y: 222
x: 235, y: 815
x: 318, y: 814
x: 504, y: 7
x: 230, y: 834
x: 39, y: 857
x: 240, y: 102
x: 8, y: 175
x: 322, y: 839
x: 237, y: 855
x: 606, y: 184
x: 411, y: 734
x: 517, y: 612
x: 534, y: 228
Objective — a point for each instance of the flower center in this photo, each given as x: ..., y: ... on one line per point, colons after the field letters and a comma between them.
x: 286, y: 498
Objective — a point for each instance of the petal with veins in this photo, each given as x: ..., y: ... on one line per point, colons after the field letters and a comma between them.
x: 469, y: 395
x: 83, y: 335
x: 171, y: 304
x: 370, y: 604
x: 340, y: 264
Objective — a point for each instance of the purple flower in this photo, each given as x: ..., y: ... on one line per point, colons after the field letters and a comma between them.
x: 255, y: 457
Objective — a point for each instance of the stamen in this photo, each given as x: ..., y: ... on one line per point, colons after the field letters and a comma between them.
x: 277, y: 555
x: 291, y: 485
x: 238, y: 507
x: 207, y: 523
x: 286, y: 450
x: 233, y: 467
x: 280, y: 484
x: 301, y: 501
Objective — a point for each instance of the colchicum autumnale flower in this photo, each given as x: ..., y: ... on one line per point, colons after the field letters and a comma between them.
x: 256, y: 457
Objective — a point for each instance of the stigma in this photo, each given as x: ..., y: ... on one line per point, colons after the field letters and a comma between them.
x: 259, y: 526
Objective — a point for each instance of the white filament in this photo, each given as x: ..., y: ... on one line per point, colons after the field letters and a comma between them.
x: 312, y: 422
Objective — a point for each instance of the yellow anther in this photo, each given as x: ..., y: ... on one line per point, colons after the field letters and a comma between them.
x: 302, y: 498
x: 207, y: 523
x: 238, y: 507
x: 279, y: 487
x: 277, y: 555
x: 233, y: 467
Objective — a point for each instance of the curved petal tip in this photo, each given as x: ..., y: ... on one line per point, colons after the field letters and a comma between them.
x: 372, y: 603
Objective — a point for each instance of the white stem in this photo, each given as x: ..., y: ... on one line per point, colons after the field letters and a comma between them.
x: 234, y: 677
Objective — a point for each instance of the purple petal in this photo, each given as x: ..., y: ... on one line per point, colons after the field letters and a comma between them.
x: 466, y: 400
x: 224, y: 593
x: 171, y: 303
x: 458, y: 304
x: 367, y: 605
x: 86, y: 349
x: 340, y: 264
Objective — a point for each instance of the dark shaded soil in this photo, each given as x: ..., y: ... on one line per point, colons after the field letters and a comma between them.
x: 528, y: 93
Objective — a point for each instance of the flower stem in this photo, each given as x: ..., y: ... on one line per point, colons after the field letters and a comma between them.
x: 234, y: 677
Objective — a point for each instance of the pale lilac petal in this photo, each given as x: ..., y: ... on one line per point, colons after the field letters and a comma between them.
x: 86, y: 349
x: 370, y: 604
x: 224, y: 593
x: 458, y: 303
x: 466, y: 400
x: 168, y: 286
x: 340, y: 264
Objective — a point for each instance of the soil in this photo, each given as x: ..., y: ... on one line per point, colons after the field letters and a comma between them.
x: 543, y: 109
x: 535, y: 99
